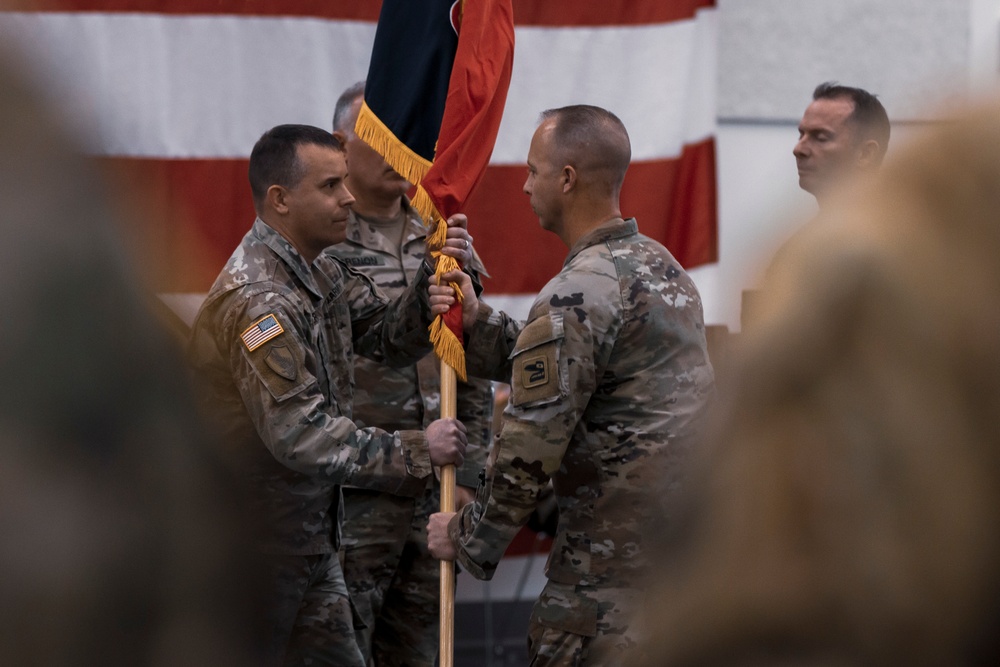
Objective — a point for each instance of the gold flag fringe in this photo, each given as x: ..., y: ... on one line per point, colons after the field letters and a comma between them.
x: 413, y: 168
x: 447, y: 346
x: 433, y: 221
x: 408, y: 164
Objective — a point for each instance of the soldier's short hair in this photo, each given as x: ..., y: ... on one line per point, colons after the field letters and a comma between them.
x: 591, y: 137
x: 274, y: 159
x: 343, y: 106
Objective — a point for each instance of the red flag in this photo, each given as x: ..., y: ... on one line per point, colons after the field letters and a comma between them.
x: 399, y: 115
x: 476, y: 94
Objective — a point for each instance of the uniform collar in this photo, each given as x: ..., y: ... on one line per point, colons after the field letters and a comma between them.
x: 287, y: 253
x: 363, y: 234
x: 615, y: 228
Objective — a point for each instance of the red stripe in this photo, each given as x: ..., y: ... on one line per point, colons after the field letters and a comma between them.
x: 674, y: 202
x: 185, y: 217
x: 527, y: 542
x: 195, y: 212
x: 677, y: 204
x: 526, y: 12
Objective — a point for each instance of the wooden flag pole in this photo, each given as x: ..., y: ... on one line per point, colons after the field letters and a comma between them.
x: 446, y: 651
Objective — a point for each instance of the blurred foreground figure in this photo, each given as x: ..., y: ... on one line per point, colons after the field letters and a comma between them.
x: 846, y: 511
x: 118, y: 546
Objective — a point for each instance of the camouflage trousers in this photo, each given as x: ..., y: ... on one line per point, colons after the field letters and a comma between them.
x: 394, y: 582
x: 310, y: 614
x: 574, y: 625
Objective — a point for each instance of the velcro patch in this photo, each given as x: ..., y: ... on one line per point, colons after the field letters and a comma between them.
x: 261, y: 331
x: 364, y: 260
x: 281, y: 360
x: 534, y: 372
x: 538, y: 375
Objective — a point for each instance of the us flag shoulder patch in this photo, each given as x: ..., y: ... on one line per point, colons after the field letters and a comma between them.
x: 261, y: 331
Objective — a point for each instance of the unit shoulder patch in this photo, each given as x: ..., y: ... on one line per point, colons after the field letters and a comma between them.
x: 534, y: 371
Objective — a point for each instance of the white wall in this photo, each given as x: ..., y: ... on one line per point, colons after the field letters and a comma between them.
x: 916, y: 55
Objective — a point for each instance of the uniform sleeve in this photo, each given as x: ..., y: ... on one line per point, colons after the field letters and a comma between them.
x: 552, y: 354
x: 488, y: 351
x: 474, y: 408
x: 301, y: 427
x: 490, y: 344
x: 395, y: 332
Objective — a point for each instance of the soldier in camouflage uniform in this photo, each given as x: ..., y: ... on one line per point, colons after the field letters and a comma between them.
x: 609, y: 378
x: 274, y: 344
x: 393, y: 581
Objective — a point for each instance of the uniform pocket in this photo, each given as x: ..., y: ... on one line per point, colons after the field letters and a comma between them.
x: 539, y: 375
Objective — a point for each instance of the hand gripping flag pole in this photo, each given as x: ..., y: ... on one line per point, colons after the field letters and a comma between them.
x: 434, y: 97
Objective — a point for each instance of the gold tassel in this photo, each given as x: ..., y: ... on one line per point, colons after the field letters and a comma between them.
x: 400, y: 157
x: 413, y: 168
x: 447, y: 347
x: 434, y: 221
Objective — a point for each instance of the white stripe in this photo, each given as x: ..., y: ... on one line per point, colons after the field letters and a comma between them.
x: 208, y: 86
x: 190, y: 86
x: 659, y: 79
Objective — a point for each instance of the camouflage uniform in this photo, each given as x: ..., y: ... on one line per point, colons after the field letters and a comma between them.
x: 393, y: 581
x: 274, y: 343
x: 609, y: 378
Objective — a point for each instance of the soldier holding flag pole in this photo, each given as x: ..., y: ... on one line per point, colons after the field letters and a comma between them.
x: 610, y: 380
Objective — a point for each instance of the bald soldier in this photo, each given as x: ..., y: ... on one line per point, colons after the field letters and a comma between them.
x: 609, y: 379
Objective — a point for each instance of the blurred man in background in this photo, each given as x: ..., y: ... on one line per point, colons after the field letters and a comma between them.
x: 843, y: 132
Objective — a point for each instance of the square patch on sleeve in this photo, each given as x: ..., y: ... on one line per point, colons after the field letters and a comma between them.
x: 536, y: 376
x: 538, y: 373
x: 534, y: 372
x: 261, y: 331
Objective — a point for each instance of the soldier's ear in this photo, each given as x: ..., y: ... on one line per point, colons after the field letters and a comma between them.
x: 868, y: 154
x: 276, y: 198
x: 569, y: 178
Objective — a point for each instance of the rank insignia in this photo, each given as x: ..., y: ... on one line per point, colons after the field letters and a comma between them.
x: 261, y: 331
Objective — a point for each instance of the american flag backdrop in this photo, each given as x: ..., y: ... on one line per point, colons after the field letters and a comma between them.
x: 172, y: 94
